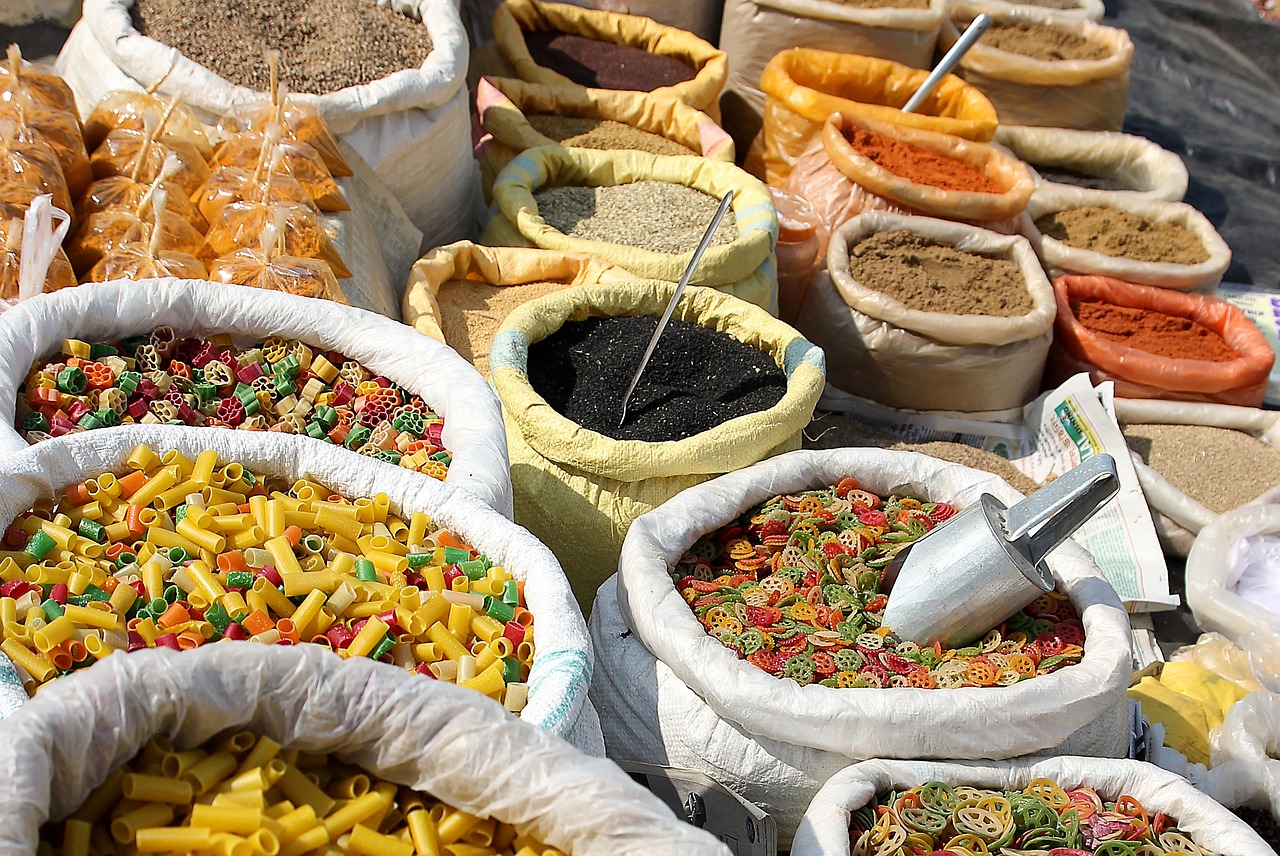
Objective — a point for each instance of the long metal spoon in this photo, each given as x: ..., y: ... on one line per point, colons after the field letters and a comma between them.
x: 949, y: 61
x: 675, y: 298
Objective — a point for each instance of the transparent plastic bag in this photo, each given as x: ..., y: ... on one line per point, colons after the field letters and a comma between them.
x: 18, y: 78
x: 131, y: 110
x: 298, y: 160
x: 1220, y: 655
x: 241, y: 224
x: 268, y: 267
x: 25, y: 160
x: 298, y: 121
x: 141, y: 155
x: 109, y: 229
x: 122, y: 193
x: 31, y: 257
x: 799, y: 250
x: 228, y: 184
x: 147, y: 259
x: 57, y: 129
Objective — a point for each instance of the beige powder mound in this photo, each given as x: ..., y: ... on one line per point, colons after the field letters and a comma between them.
x: 1122, y: 234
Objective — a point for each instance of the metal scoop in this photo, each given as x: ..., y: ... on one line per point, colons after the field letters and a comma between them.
x: 960, y: 580
x: 967, y: 40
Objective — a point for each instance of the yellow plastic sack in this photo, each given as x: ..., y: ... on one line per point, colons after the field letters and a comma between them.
x: 579, y: 491
x: 1088, y: 94
x: 745, y: 268
x: 504, y: 103
x: 841, y: 183
x: 701, y: 93
x: 482, y: 283
x: 804, y: 87
x: 753, y: 31
x: 1216, y: 692
x: 1185, y: 719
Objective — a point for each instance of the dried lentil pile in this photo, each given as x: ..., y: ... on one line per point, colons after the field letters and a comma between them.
x: 934, y: 277
x: 697, y: 378
x: 652, y: 215
x: 794, y: 587
x: 604, y: 134
x: 1219, y: 468
x: 1043, y: 41
x: 1122, y: 234
x: 325, y: 45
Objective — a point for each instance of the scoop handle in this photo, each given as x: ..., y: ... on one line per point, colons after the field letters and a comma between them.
x: 1050, y: 515
x: 967, y: 40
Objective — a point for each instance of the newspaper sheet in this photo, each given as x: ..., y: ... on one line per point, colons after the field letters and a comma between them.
x: 1051, y: 435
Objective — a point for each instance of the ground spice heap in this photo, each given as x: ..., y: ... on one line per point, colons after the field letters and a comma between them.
x: 1219, y: 468
x: 1154, y: 332
x: 605, y: 65
x: 934, y: 277
x: 794, y: 587
x: 1043, y: 42
x: 604, y: 134
x: 1122, y: 234
x: 920, y: 165
x: 1080, y: 179
x: 652, y: 215
x: 697, y: 378
x: 885, y: 4
x: 325, y: 45
x: 1262, y: 823
x: 472, y: 312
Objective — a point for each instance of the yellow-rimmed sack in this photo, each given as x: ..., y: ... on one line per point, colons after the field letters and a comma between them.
x: 804, y: 87
x: 482, y: 282
x: 577, y: 490
x: 745, y: 268
x: 515, y: 16
x: 504, y: 104
x: 752, y: 32
x: 1088, y: 94
x: 840, y: 182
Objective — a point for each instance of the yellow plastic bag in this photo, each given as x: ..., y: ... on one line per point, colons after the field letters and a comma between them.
x: 744, y: 268
x: 1088, y: 94
x: 240, y: 224
x: 504, y: 104
x: 579, y: 491
x: 804, y: 87
x: 142, y: 156
x: 108, y: 229
x: 1216, y: 692
x: 461, y: 293
x: 513, y: 17
x: 1185, y: 719
x: 840, y: 182
x: 297, y: 159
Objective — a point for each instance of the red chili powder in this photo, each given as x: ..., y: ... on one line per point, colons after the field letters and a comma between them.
x: 921, y: 165
x: 1153, y: 332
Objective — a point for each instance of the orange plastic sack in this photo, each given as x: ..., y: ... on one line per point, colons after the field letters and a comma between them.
x: 839, y: 182
x: 1138, y: 374
x: 58, y: 130
x: 804, y: 87
x: 138, y: 261
x: 18, y: 78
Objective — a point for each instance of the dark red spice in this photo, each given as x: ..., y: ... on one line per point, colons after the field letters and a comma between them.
x: 605, y: 65
x: 1153, y: 332
x: 921, y: 165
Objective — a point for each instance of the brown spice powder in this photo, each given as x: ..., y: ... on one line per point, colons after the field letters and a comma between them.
x: 604, y: 134
x: 885, y: 4
x: 934, y: 277
x: 1220, y: 468
x: 1043, y: 41
x: 472, y: 312
x: 1121, y: 234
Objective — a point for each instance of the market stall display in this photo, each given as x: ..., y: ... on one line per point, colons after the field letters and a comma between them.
x: 1097, y: 160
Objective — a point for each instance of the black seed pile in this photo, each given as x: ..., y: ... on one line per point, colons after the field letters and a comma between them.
x: 1080, y: 179
x: 697, y: 378
x: 1262, y: 823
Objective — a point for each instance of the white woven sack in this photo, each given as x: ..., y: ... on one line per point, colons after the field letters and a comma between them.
x: 1220, y: 597
x: 649, y: 715
x: 473, y: 430
x: 753, y: 31
x: 825, y: 828
x: 1143, y: 166
x: 880, y: 348
x: 1245, y: 771
x: 1060, y: 258
x: 412, y: 126
x: 1177, y: 516
x: 447, y: 741
x: 562, y: 665
x: 1090, y: 10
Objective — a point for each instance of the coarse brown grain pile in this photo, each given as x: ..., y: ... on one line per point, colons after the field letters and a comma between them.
x: 604, y: 134
x: 325, y: 45
x: 652, y: 215
x: 885, y: 4
x: 1219, y: 468
x: 1122, y: 234
x: 472, y: 312
x: 1043, y: 41
x: 933, y: 277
